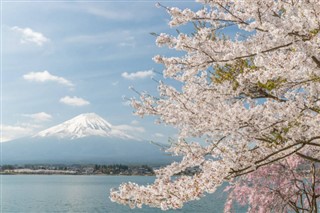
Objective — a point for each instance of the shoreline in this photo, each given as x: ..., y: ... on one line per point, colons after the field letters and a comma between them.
x: 69, y: 172
x: 93, y: 169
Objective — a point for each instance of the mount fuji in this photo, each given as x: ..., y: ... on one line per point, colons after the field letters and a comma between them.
x: 86, y: 138
x: 84, y: 125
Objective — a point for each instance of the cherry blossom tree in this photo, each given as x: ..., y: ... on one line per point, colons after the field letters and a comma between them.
x: 254, y: 98
x: 290, y: 185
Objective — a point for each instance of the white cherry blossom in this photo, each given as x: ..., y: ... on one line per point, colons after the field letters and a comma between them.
x: 254, y: 98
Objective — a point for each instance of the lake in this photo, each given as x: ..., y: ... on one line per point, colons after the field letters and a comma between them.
x: 64, y: 193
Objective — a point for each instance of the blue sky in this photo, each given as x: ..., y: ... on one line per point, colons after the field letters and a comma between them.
x: 61, y: 59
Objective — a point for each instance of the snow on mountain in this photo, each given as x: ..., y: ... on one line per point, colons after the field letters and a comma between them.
x: 84, y: 125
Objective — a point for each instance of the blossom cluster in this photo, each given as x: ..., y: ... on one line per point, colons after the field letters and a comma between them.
x: 290, y: 185
x: 253, y: 97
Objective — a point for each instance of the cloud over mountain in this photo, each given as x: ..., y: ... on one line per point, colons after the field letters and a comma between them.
x: 74, y: 101
x: 39, y: 117
x: 10, y: 132
x: 45, y: 76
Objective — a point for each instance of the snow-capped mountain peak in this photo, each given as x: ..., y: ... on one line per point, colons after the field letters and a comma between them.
x: 84, y: 125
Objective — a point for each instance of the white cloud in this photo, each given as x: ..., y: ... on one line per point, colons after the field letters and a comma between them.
x: 30, y: 36
x: 128, y: 128
x: 74, y: 101
x: 134, y: 132
x: 45, y: 76
x: 135, y: 122
x: 39, y: 117
x: 13, y: 132
x: 158, y: 135
x: 138, y: 75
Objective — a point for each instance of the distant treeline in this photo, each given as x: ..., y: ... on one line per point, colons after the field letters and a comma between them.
x: 94, y: 169
x: 123, y: 169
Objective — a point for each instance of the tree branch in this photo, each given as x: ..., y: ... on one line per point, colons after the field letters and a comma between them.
x: 316, y: 61
x: 308, y: 157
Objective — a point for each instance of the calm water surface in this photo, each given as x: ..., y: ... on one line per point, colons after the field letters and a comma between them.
x: 55, y: 193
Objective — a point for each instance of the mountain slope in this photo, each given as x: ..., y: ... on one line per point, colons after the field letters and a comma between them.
x: 86, y: 138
